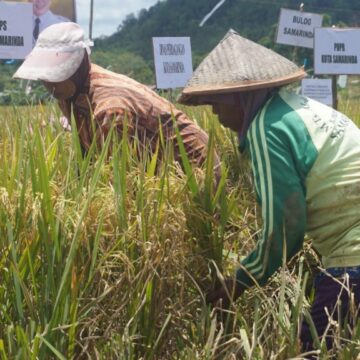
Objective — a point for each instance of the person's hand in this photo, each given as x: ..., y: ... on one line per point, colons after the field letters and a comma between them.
x: 224, y: 293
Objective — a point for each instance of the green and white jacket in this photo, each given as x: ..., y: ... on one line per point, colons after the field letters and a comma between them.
x: 306, y: 166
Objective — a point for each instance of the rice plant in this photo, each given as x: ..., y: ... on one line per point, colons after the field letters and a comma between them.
x: 110, y: 257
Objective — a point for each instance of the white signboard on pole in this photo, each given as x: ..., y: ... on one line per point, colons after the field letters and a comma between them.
x: 297, y: 28
x: 337, y: 51
x: 318, y: 89
x: 15, y: 30
x: 173, y: 61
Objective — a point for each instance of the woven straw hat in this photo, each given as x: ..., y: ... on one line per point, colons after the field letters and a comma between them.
x: 57, y: 54
x: 238, y: 64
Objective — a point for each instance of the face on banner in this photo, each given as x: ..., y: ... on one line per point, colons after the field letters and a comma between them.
x: 40, y: 7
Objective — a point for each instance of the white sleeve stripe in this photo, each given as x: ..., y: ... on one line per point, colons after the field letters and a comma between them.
x: 267, y: 236
x: 260, y: 169
x: 252, y: 151
x: 267, y: 206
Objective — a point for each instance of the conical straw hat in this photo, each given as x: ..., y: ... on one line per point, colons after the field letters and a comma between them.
x: 238, y: 64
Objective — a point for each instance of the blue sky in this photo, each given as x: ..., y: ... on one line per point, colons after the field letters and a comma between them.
x: 108, y: 14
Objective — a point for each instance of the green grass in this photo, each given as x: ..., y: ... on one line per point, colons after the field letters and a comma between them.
x: 110, y: 258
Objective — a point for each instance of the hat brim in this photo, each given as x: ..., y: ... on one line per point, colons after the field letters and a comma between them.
x: 48, y: 65
x: 196, y: 95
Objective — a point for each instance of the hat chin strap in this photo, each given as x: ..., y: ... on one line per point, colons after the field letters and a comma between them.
x: 42, y: 10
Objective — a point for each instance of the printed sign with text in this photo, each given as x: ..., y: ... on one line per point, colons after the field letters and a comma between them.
x: 297, y: 28
x: 173, y: 61
x: 318, y: 89
x: 15, y: 30
x: 337, y: 51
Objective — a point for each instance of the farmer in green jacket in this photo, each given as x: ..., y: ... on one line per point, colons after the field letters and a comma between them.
x: 306, y: 166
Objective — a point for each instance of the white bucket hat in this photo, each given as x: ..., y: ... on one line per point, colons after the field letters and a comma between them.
x: 57, y: 54
x: 237, y: 64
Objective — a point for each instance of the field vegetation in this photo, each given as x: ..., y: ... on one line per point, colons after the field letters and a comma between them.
x: 110, y: 257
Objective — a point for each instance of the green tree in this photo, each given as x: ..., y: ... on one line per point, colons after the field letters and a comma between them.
x: 125, y: 63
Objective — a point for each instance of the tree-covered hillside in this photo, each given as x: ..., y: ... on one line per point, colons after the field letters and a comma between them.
x: 256, y: 20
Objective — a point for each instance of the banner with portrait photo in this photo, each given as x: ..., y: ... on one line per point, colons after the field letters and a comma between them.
x: 65, y: 8
x: 44, y: 13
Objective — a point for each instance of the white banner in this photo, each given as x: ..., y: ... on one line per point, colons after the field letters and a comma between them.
x: 15, y: 30
x: 318, y: 89
x: 297, y: 28
x: 173, y: 61
x: 337, y: 51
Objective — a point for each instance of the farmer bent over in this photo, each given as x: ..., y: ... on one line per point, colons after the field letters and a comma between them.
x: 100, y: 99
x: 305, y: 160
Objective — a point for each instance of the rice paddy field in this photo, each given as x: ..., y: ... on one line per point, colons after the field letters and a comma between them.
x: 111, y: 257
